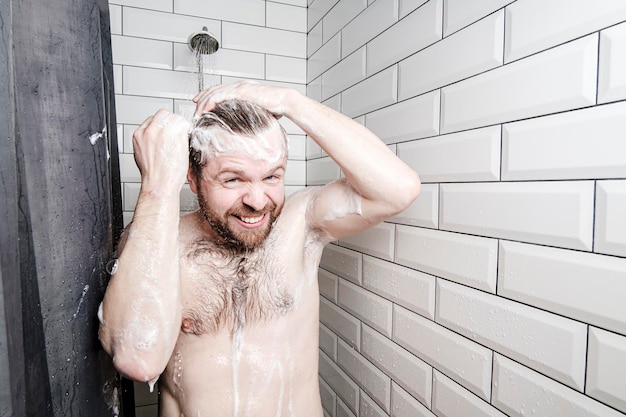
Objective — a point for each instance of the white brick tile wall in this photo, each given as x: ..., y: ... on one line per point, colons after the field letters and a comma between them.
x: 403, y: 404
x: 285, y: 16
x: 424, y: 211
x: 551, y: 213
x: 371, y: 94
x: 451, y: 399
x: 415, y: 118
x: 410, y: 372
x: 371, y: 379
x: 343, y: 410
x: 328, y: 284
x: 610, y: 224
x: 377, y: 241
x: 460, y: 13
x: 240, y: 11
x: 346, y: 326
x: 317, y: 10
x: 263, y: 39
x: 281, y: 68
x: 368, y: 307
x: 329, y: 399
x: 468, y: 260
x: 412, y: 33
x: 556, y: 346
x: 444, y: 158
x: 584, y: 286
x: 377, y: 17
x: 346, y: 73
x: 463, y: 360
x: 339, y: 381
x: 606, y: 374
x: 162, y: 5
x: 328, y: 341
x: 533, y: 149
x: 519, y: 391
x: 612, y: 72
x: 344, y: 262
x: 322, y: 171
x: 145, y: 23
x: 340, y: 15
x: 529, y: 32
x: 369, y: 408
x: 473, y: 50
x: 141, y: 52
x: 562, y: 78
x: 324, y: 58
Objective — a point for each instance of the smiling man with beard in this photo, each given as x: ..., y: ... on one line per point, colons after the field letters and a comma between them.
x: 222, y: 305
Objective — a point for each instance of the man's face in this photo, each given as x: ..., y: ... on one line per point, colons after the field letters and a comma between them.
x: 241, y: 195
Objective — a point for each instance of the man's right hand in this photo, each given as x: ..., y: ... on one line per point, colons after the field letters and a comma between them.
x: 161, y: 148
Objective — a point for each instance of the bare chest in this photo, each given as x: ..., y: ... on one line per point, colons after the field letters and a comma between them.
x: 221, y: 289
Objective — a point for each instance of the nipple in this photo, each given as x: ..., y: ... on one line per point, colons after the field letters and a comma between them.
x: 186, y: 325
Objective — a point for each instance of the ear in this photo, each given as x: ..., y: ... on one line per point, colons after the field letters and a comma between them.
x: 192, y: 180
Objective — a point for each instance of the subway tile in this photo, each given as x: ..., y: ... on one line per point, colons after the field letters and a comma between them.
x: 317, y: 9
x: 407, y: 6
x: 328, y: 397
x: 131, y: 193
x: 295, y: 173
x: 159, y: 83
x: 313, y: 151
x: 343, y: 410
x: 445, y: 158
x: 128, y: 169
x: 460, y: 13
x: 344, y: 262
x: 534, y: 149
x: 227, y: 62
x: 560, y: 79
x: 415, y: 118
x: 368, y: 307
x: 551, y: 213
x: 292, y: 189
x: 301, y: 3
x: 314, y: 89
x: 606, y: 369
x: 471, y: 51
x: 324, y: 58
x: 519, y: 391
x: 281, y: 68
x: 468, y: 260
x: 162, y: 5
x: 135, y: 109
x: 424, y: 211
x: 372, y: 21
x: 411, y: 289
x: 376, y: 241
x: 118, y: 79
x: 141, y: 52
x: 412, y: 33
x: 551, y: 344
x: 262, y: 39
x: 403, y: 404
x: 327, y: 284
x: 612, y: 72
x: 466, y: 362
x: 115, y: 19
x: 369, y: 408
x: 128, y: 132
x: 371, y: 379
x: 239, y: 11
x: 156, y: 25
x: 451, y: 399
x: 371, y: 94
x: 335, y: 104
x: 314, y: 40
x: 346, y: 73
x: 583, y: 286
x: 339, y: 381
x: 610, y: 236
x: 285, y: 16
x: 410, y: 372
x: 328, y: 341
x: 530, y: 31
x: 340, y: 322
x: 340, y: 15
x: 297, y: 147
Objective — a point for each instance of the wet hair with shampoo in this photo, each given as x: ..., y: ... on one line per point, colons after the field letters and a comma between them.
x: 233, y: 126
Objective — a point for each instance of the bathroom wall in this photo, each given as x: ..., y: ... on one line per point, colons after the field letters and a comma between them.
x: 501, y: 290
x: 154, y: 68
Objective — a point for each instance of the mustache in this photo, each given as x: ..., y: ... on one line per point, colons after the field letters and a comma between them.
x: 247, y: 211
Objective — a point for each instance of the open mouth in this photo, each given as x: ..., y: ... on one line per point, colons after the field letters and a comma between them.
x: 251, y: 221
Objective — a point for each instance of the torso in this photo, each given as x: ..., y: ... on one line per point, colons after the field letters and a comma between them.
x: 248, y: 344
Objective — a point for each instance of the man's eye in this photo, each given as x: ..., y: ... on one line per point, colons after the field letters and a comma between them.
x: 232, y: 181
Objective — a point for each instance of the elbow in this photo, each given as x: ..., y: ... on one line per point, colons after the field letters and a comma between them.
x: 406, y: 193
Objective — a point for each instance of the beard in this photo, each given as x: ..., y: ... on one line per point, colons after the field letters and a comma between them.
x: 239, y: 240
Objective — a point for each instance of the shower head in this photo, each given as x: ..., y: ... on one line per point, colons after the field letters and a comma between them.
x: 203, y: 42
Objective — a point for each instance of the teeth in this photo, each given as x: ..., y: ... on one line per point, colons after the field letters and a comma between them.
x: 252, y: 220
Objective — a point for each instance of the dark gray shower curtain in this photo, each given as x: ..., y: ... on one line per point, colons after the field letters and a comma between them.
x: 60, y: 210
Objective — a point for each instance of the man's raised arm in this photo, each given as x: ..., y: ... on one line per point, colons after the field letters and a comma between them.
x: 141, y: 312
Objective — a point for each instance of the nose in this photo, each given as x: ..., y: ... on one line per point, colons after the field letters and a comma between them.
x: 255, y: 198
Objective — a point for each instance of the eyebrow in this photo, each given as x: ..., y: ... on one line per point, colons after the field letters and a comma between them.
x: 243, y: 173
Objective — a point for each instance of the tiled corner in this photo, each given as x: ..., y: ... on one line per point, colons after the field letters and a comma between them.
x: 369, y: 23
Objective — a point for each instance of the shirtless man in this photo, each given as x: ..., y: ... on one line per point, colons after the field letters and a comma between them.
x: 222, y: 305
